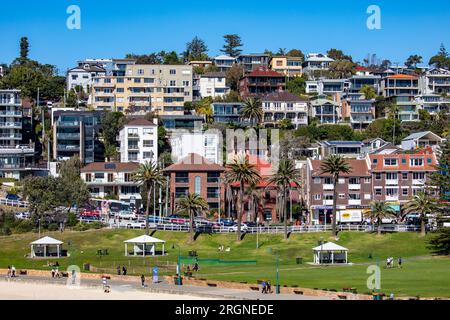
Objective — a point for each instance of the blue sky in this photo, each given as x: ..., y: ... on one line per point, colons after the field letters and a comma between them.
x: 113, y: 28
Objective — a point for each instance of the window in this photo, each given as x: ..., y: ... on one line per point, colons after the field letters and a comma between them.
x: 429, y: 161
x: 173, y: 71
x: 88, y: 177
x: 327, y: 180
x: 133, y: 132
x: 367, y: 196
x: 317, y: 197
x: 148, y: 143
x: 391, y: 192
x: 341, y: 181
x: 354, y: 196
x: 185, y: 83
x: 317, y: 180
x: 328, y: 197
x: 137, y: 80
x: 147, y: 131
x: 416, y: 162
x: 99, y: 175
x: 367, y: 180
x: 405, y: 176
x: 213, y: 177
x: 120, y: 90
x: 140, y: 71
x: 182, y: 177
x: 353, y: 181
x: 378, y: 192
x: 181, y: 192
x: 419, y: 175
x: 377, y: 176
x: 403, y: 160
x: 391, y: 176
x: 212, y: 193
x: 341, y: 195
x: 375, y: 161
x: 405, y: 192
x: 198, y: 185
x: 128, y: 177
x: 110, y: 177
x: 148, y: 155
x: 132, y: 156
x: 390, y: 162
x: 173, y: 83
x: 149, y: 80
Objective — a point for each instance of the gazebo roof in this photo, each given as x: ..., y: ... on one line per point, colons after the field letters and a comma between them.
x: 330, y: 246
x: 47, y: 241
x: 144, y: 239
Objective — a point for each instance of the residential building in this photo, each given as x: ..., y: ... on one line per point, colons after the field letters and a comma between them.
x: 113, y: 180
x: 253, y: 61
x: 260, y: 82
x: 227, y: 112
x: 83, y: 75
x: 327, y: 86
x: 360, y: 112
x: 379, y: 146
x: 10, y: 118
x: 316, y: 62
x: 289, y: 66
x: 196, y: 96
x: 437, y: 80
x: 162, y: 89
x: 139, y: 141
x: 200, y: 64
x: 433, y: 103
x: 361, y: 79
x: 213, y: 84
x: 206, y: 144
x: 347, y: 149
x: 1, y: 71
x: 194, y: 174
x: 188, y: 122
x: 284, y: 105
x: 420, y: 140
x: 224, y: 63
x: 354, y: 192
x: 326, y: 111
x: 398, y: 177
x: 408, y: 107
x: 400, y: 84
x: 76, y: 133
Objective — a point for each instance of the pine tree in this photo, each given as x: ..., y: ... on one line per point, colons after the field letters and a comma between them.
x: 232, y: 44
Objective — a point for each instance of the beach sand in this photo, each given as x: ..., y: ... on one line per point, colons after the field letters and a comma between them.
x: 37, y: 291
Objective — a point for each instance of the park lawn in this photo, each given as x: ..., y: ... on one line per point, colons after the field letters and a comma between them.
x: 422, y: 274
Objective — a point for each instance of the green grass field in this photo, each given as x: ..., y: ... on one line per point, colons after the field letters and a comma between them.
x: 422, y: 274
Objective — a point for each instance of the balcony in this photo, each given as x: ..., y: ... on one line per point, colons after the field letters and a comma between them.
x: 133, y: 147
x: 354, y: 187
x: 10, y: 102
x: 392, y: 182
x: 354, y: 202
x: 118, y: 181
x: 68, y: 148
x: 68, y: 136
x: 392, y: 198
x: 15, y: 136
x: 13, y: 125
x: 328, y: 187
x: 10, y: 113
x: 327, y: 202
x: 418, y: 182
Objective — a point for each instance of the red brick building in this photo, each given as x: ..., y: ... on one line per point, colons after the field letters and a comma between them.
x: 260, y: 82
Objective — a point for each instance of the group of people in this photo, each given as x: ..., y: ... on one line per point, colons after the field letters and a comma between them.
x: 390, y: 262
x: 11, y: 272
x: 266, y: 287
x: 55, y: 273
x: 121, y: 271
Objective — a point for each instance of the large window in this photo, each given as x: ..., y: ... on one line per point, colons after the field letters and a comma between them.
x: 213, y: 177
x: 416, y: 162
x: 198, y: 185
x: 182, y: 177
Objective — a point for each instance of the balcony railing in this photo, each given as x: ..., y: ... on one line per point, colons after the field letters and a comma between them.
x: 11, y: 113
x: 10, y: 124
x: 10, y: 135
x: 392, y: 181
x: 354, y: 186
x: 354, y: 202
x: 328, y: 187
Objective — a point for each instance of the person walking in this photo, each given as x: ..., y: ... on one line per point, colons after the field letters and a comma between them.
x: 118, y: 270
x: 124, y: 271
x: 106, y: 288
x: 9, y: 272
x: 264, y: 287
x: 13, y: 272
x: 53, y: 273
x: 143, y: 281
x: 400, y: 262
x: 269, y: 287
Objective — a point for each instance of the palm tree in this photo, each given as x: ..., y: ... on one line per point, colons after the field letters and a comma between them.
x: 392, y: 109
x: 254, y: 201
x: 252, y: 111
x: 244, y: 173
x: 334, y: 165
x: 284, y: 178
x: 193, y: 204
x: 422, y: 204
x: 379, y: 210
x: 149, y: 175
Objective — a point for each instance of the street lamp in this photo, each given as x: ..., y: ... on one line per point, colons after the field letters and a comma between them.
x: 277, y: 256
x: 178, y: 264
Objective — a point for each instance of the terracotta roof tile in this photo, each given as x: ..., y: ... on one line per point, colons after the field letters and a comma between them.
x: 194, y: 162
x: 359, y: 168
x: 111, y: 167
x: 403, y: 161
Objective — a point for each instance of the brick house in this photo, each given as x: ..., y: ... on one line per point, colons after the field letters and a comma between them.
x: 260, y: 82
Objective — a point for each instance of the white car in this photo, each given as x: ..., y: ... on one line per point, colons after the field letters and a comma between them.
x: 234, y: 228
x: 22, y: 215
x: 126, y: 215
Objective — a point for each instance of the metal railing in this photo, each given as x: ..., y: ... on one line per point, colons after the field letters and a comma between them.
x: 14, y: 203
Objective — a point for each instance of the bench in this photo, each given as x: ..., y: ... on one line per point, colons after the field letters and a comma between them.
x: 298, y: 292
x: 342, y: 297
x: 23, y: 272
x: 254, y: 288
x: 212, y: 284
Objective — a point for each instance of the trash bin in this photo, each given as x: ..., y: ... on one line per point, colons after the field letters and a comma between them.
x: 86, y: 267
x: 299, y: 260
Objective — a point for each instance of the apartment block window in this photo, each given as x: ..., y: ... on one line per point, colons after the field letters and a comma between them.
x: 213, y: 193
x: 328, y: 197
x: 149, y: 80
x: 186, y: 83
x: 403, y: 160
x: 404, y: 175
x: 341, y: 196
x: 173, y: 83
x: 353, y: 181
x: 120, y: 90
x: 317, y: 180
x: 148, y: 143
x: 317, y: 197
x: 390, y: 162
x: 391, y: 192
x: 140, y: 71
x: 416, y: 162
x: 120, y: 80
x: 173, y: 71
x: 341, y: 181
x: 181, y: 192
x: 99, y: 175
x: 107, y: 80
x: 128, y: 177
x: 419, y: 175
x: 354, y: 196
x: 378, y: 192
x: 147, y: 131
x: 182, y: 177
x: 405, y: 192
x: 132, y: 156
x: 133, y: 132
x: 327, y: 180
x: 198, y: 185
x: 110, y: 177
x: 88, y: 177
x: 367, y: 180
x: 367, y: 196
x: 148, y: 155
x: 137, y: 80
x: 213, y: 177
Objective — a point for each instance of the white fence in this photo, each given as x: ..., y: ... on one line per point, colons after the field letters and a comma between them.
x: 14, y: 203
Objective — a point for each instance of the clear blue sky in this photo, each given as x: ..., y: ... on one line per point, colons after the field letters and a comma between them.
x: 113, y: 28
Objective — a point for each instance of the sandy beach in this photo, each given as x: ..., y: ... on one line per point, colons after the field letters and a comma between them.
x: 36, y: 291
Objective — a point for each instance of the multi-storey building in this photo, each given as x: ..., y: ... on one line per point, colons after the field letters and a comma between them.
x: 358, y: 110
x: 400, y: 84
x: 227, y: 112
x: 260, y: 82
x: 83, y: 75
x: 253, y: 61
x: 437, y: 80
x: 213, y: 85
x: 278, y: 106
x: 188, y: 122
x: 316, y: 62
x: 113, y: 180
x: 407, y: 107
x: 354, y: 192
x: 139, y: 141
x: 433, y: 103
x: 194, y: 174
x: 289, y: 66
x: 359, y: 80
x: 206, y: 144
x: 398, y: 177
x: 76, y: 133
x: 327, y: 86
x: 224, y: 63
x: 160, y: 88
x: 422, y: 140
x: 326, y: 111
x: 346, y: 149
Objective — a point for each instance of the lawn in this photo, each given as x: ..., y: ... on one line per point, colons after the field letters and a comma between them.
x: 422, y: 274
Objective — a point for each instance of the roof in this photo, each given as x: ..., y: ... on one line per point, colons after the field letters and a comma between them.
x: 330, y: 246
x: 402, y: 76
x: 282, y: 96
x: 111, y: 167
x: 264, y: 72
x: 144, y: 239
x: 342, y: 143
x: 194, y: 162
x: 224, y: 57
x: 419, y: 135
x: 359, y: 168
x: 140, y: 122
x: 401, y: 166
x: 321, y: 101
x: 213, y: 75
x: 46, y: 241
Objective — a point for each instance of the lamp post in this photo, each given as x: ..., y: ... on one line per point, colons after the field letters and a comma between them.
x: 277, y: 257
x: 71, y: 252
x: 178, y: 264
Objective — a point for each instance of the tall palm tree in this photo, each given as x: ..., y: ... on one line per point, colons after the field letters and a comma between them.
x: 193, y: 204
x: 241, y: 171
x: 379, y: 210
x: 254, y: 201
x: 422, y: 204
x: 252, y: 111
x: 286, y: 176
x: 334, y: 165
x: 149, y: 175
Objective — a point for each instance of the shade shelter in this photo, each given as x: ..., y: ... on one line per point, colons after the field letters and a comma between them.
x: 144, y: 245
x: 46, y: 247
x: 330, y: 253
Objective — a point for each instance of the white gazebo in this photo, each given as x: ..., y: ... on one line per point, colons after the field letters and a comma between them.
x: 46, y: 247
x: 144, y: 245
x: 330, y: 253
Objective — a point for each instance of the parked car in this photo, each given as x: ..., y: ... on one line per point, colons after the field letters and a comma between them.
x: 13, y: 197
x: 22, y: 215
x: 177, y: 219
x: 234, y: 228
x: 90, y: 213
x: 226, y: 222
x: 89, y: 219
x: 153, y: 219
x: 126, y: 215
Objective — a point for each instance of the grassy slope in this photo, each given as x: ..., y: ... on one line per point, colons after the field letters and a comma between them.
x: 421, y: 275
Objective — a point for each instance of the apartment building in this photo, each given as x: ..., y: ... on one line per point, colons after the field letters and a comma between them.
x: 206, y: 144
x: 76, y: 133
x: 360, y: 112
x: 437, y: 80
x: 420, y: 140
x: 407, y: 107
x: 227, y: 112
x: 162, y: 89
x: 289, y: 66
x: 224, y: 62
x: 316, y: 62
x: 346, y: 149
x: 213, y: 84
x: 194, y: 174
x: 398, y: 177
x: 112, y: 180
x: 253, y: 61
x: 326, y: 111
x: 188, y: 122
x: 433, y: 103
x: 354, y: 192
x: 139, y: 141
x: 83, y: 75
x: 260, y: 82
x: 400, y: 84
x: 327, y: 86
x: 359, y: 80
x: 278, y: 106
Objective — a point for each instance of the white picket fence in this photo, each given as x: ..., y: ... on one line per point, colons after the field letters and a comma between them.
x: 14, y: 203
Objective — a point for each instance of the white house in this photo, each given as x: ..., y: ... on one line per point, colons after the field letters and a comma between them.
x: 213, y: 85
x: 284, y: 105
x: 139, y: 141
x: 206, y: 144
x: 421, y: 140
x: 83, y: 75
x: 224, y: 62
x: 316, y: 61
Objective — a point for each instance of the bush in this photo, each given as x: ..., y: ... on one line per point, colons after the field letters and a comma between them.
x: 5, y: 231
x: 23, y: 226
x: 96, y: 225
x: 72, y: 219
x: 52, y: 227
x: 440, y: 241
x: 81, y: 226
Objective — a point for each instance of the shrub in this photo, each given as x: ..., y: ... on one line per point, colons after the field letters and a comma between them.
x: 52, y: 227
x: 23, y: 226
x: 72, y: 219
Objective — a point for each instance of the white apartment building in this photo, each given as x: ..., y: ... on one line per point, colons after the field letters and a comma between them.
x: 83, y: 75
x: 213, y: 85
x: 139, y: 141
x: 316, y: 61
x: 206, y: 144
x: 284, y: 105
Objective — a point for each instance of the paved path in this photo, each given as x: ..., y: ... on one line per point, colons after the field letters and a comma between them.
x: 210, y: 292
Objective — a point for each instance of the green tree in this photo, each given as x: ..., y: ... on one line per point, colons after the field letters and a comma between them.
x: 203, y: 107
x: 111, y: 123
x: 392, y: 111
x: 72, y: 189
x: 337, y: 54
x: 368, y: 91
x: 170, y: 58
x: 379, y: 210
x: 71, y: 99
x: 342, y: 69
x: 440, y: 179
x: 441, y: 59
x: 252, y: 111
x: 149, y: 176
x: 244, y: 173
x: 423, y: 205
x: 413, y: 61
x: 296, y: 53
x: 233, y: 75
x: 196, y: 49
x: 232, y: 44
x: 335, y: 165
x: 296, y: 85
x: 285, y: 177
x: 24, y: 50
x: 152, y: 58
x: 440, y: 241
x: 193, y: 205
